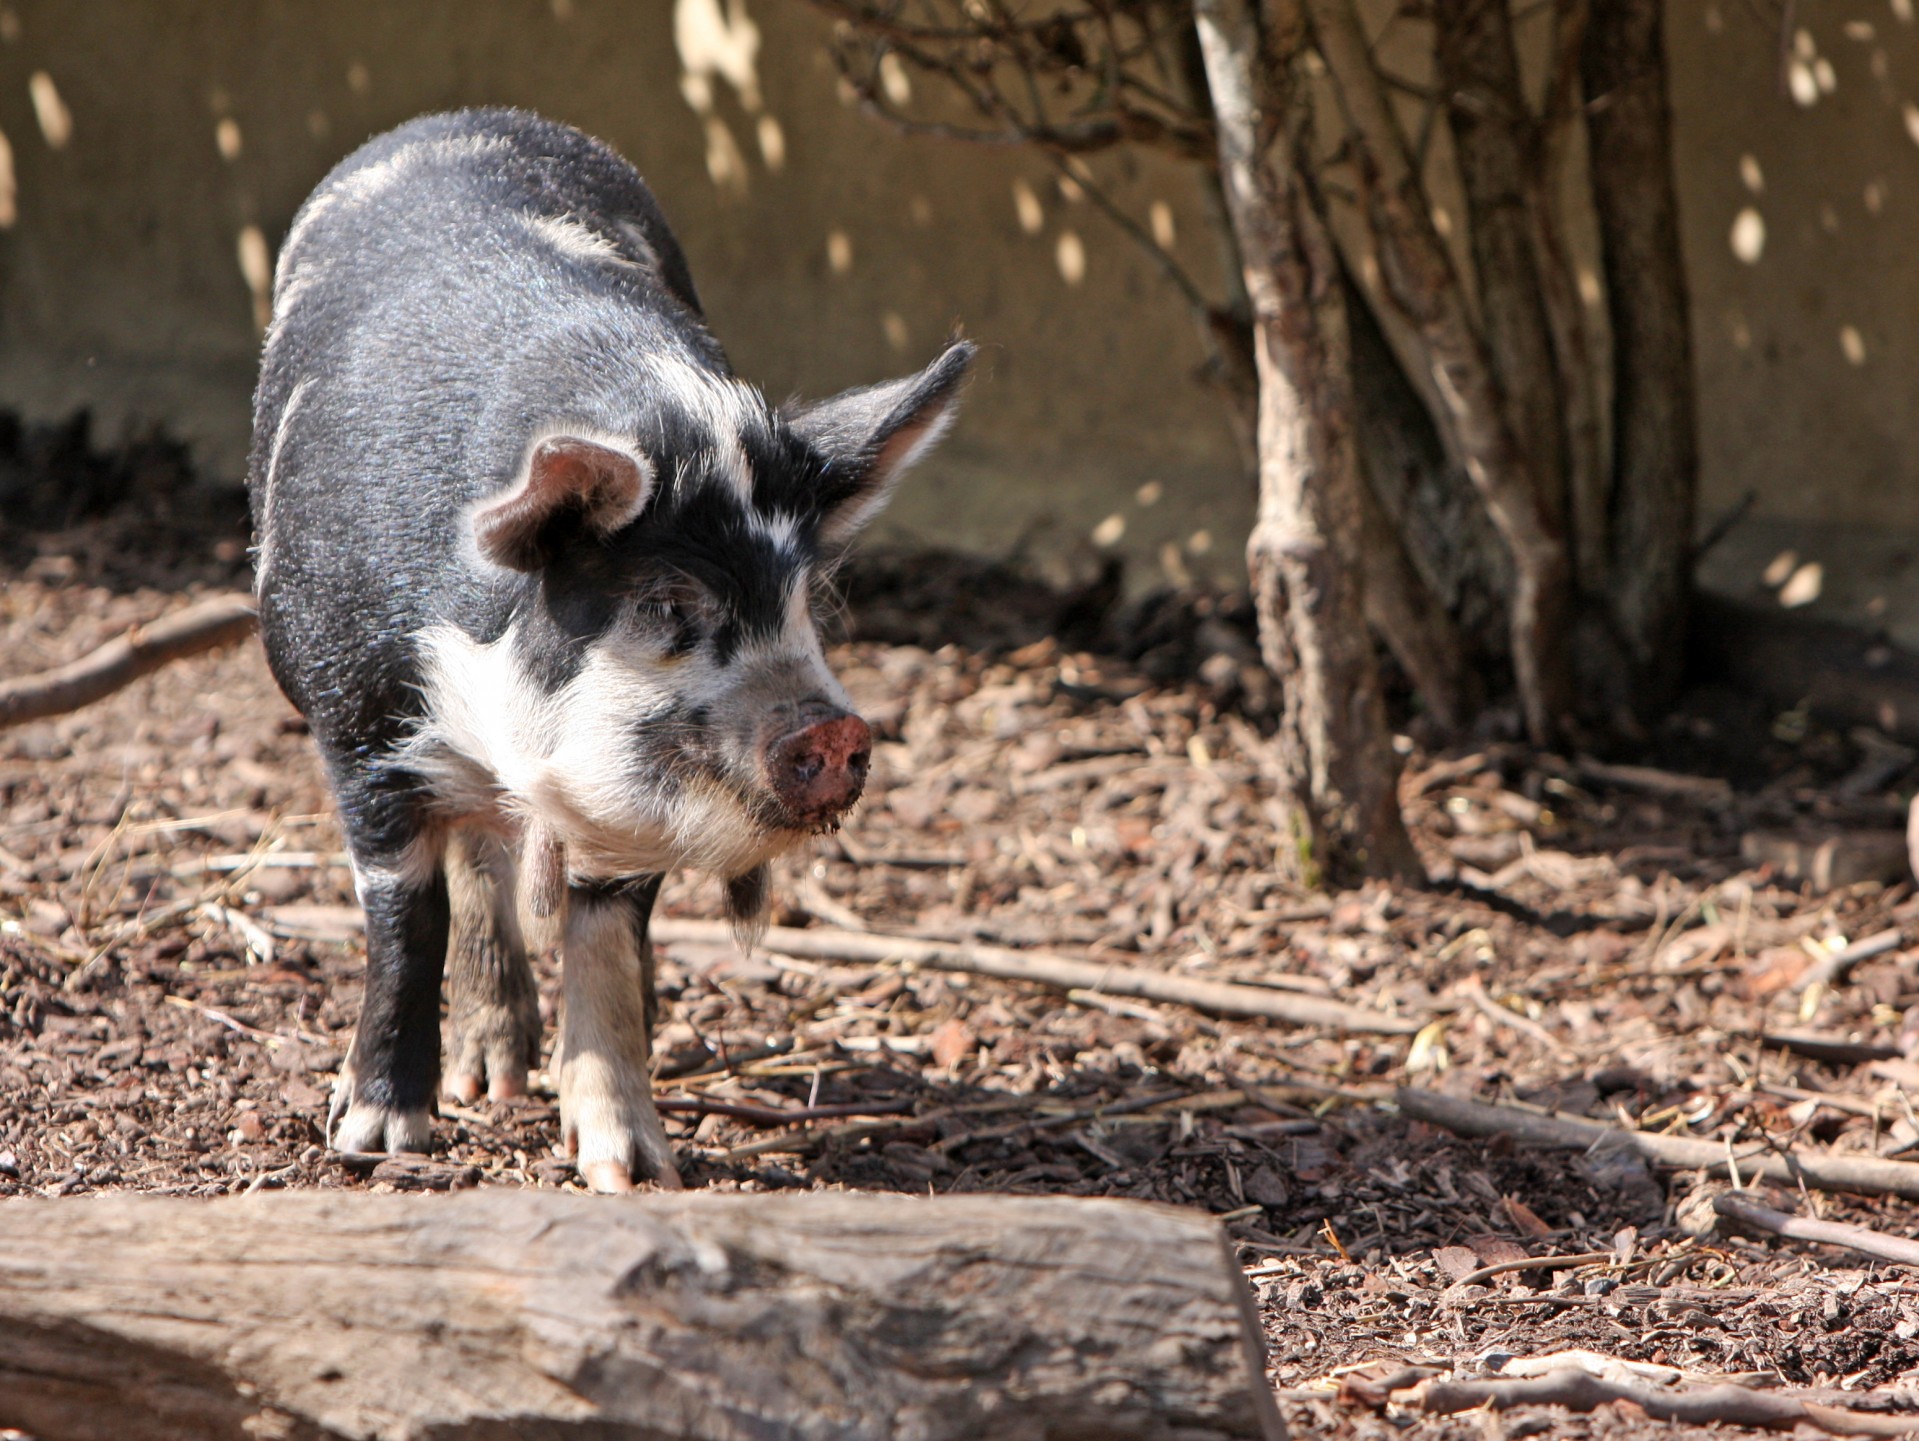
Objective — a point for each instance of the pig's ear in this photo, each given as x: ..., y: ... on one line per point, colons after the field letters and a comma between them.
x: 599, y: 483
x: 870, y: 437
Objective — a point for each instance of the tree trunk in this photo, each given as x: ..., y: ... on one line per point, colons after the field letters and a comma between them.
x: 1402, y: 602
x: 1495, y: 139
x: 497, y: 1314
x: 1417, y: 274
x: 1655, y: 447
x: 1303, y: 555
x: 1439, y: 518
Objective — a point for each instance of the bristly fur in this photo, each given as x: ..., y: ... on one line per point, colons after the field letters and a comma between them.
x: 534, y: 561
x: 749, y: 901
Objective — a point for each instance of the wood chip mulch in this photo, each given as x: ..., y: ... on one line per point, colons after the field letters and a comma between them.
x: 179, y: 949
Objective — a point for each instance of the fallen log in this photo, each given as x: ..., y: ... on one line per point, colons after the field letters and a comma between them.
x: 125, y: 658
x: 1820, y: 1170
x: 1065, y: 973
x: 540, y: 1313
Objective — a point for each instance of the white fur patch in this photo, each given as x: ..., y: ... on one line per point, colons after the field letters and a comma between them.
x: 290, y: 247
x: 574, y: 240
x: 642, y: 248
x: 414, y: 867
x: 264, y: 561
x: 563, y: 761
x: 779, y: 528
x: 725, y: 408
x: 371, y: 180
x: 732, y: 466
x: 364, y: 184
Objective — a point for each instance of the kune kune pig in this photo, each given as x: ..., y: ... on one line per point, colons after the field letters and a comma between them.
x: 541, y: 573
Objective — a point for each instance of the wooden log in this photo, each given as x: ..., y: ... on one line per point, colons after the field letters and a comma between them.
x: 512, y: 1313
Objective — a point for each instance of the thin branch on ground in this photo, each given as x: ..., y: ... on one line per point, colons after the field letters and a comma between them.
x: 1223, y: 998
x: 1746, y: 1212
x: 1819, y: 1170
x: 124, y: 659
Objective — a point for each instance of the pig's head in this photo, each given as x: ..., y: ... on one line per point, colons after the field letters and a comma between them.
x: 661, y: 697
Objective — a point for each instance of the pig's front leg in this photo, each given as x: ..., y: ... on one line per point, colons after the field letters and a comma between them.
x: 384, y: 1098
x: 606, y: 1093
x: 492, y: 1002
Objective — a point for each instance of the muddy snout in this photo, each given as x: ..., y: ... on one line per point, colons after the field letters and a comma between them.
x: 819, y: 770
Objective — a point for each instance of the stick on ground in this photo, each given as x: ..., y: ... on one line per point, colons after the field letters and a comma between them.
x: 1821, y: 1170
x: 125, y: 658
x: 1725, y: 1404
x: 1219, y: 998
x: 1749, y: 1213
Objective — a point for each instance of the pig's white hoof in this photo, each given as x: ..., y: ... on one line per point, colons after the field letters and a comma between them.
x: 360, y: 1126
x: 492, y: 1055
x: 615, y: 1139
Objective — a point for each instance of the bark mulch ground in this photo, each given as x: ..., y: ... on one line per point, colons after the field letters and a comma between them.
x: 179, y: 949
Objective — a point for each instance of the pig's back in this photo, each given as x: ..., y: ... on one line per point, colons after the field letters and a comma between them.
x: 449, y: 287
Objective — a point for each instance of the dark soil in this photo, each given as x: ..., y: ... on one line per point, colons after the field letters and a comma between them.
x: 179, y: 958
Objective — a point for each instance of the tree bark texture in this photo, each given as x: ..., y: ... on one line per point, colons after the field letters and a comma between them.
x: 1418, y: 277
x: 1655, y: 444
x: 1405, y: 605
x: 1303, y: 555
x: 1575, y: 339
x: 1441, y: 522
x: 536, y: 1314
x: 1496, y: 142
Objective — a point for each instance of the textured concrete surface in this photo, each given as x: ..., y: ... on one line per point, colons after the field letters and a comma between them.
x: 831, y: 252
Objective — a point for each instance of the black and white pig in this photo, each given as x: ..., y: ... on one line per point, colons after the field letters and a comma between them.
x: 541, y: 574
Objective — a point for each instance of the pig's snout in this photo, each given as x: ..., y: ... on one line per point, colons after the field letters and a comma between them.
x: 820, y: 770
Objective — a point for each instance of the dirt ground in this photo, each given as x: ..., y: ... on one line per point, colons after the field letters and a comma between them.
x: 179, y: 958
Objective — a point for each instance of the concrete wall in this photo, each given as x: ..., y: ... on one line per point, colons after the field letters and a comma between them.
x: 123, y: 285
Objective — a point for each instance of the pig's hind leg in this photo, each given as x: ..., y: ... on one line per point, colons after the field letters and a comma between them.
x: 607, y: 1115
x: 492, y: 1001
x: 384, y: 1098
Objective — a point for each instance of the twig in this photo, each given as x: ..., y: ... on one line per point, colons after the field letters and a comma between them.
x: 1832, y: 970
x: 1535, y: 1263
x: 124, y: 659
x: 777, y: 1115
x: 859, y: 1130
x: 861, y: 855
x: 1654, y: 781
x: 1505, y: 1016
x: 818, y: 943
x: 1578, y: 1390
x: 1818, y: 1169
x: 1828, y: 1051
x: 1747, y: 1212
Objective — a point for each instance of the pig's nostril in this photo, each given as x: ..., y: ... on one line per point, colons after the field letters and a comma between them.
x: 856, y: 764
x: 807, y: 766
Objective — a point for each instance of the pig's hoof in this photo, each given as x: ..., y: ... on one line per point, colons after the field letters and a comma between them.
x: 490, y: 1061
x: 361, y: 1126
x: 615, y: 1145
x: 611, y: 1178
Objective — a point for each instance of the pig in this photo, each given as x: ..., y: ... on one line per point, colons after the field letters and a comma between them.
x: 542, y: 575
